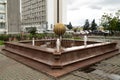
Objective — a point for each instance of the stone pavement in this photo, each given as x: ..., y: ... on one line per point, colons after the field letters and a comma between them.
x: 108, y: 69
x: 12, y: 70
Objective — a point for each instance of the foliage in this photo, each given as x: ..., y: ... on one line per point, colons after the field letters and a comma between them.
x: 4, y: 37
x: 77, y: 38
x: 32, y: 30
x: 110, y: 22
x: 1, y: 42
x: 86, y: 26
x: 67, y: 35
x: 93, y: 25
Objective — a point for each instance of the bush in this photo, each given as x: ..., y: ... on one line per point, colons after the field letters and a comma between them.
x: 4, y: 37
x: 67, y: 35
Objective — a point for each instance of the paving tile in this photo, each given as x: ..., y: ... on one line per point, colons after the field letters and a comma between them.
x: 12, y: 70
x: 72, y: 77
x: 90, y: 76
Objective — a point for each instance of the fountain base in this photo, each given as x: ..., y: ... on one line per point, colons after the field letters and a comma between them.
x: 48, y: 61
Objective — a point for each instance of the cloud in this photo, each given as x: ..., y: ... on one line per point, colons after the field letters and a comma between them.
x: 95, y: 7
x: 74, y: 8
x: 79, y: 10
x: 69, y: 2
x: 109, y: 2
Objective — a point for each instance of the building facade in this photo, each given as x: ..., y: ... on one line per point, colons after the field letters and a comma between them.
x: 42, y: 14
x: 3, y: 16
x: 13, y: 16
x: 9, y: 16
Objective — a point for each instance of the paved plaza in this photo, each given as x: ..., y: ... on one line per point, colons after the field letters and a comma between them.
x: 108, y: 69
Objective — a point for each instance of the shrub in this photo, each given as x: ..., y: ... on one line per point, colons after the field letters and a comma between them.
x: 4, y: 37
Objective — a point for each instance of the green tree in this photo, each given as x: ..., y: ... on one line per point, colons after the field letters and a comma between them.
x: 86, y: 26
x: 118, y: 25
x: 32, y: 31
x: 110, y: 22
x: 93, y: 25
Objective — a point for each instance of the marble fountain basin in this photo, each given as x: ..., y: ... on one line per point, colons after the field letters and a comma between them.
x: 72, y: 56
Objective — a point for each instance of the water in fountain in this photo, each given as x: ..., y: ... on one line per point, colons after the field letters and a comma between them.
x: 85, y: 40
x: 58, y: 45
x: 73, y: 41
x: 33, y: 42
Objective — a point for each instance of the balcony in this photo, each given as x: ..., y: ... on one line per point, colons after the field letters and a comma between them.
x: 3, y: 2
x: 2, y: 21
x: 2, y: 11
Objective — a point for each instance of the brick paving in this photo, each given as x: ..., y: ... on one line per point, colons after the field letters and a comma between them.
x: 13, y: 70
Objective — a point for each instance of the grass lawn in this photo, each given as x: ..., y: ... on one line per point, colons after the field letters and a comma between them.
x: 1, y: 42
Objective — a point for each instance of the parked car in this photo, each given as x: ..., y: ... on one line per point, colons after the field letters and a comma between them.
x: 97, y: 32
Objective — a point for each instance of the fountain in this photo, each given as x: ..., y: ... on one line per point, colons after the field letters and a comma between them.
x: 59, y: 29
x: 59, y: 57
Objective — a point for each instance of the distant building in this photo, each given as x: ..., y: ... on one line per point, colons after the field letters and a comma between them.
x: 13, y: 16
x: 3, y: 16
x: 42, y: 14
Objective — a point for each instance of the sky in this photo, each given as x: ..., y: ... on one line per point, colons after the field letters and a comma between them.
x: 80, y: 10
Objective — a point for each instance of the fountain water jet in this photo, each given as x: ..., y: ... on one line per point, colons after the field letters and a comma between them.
x: 85, y: 40
x: 58, y: 45
x: 33, y: 41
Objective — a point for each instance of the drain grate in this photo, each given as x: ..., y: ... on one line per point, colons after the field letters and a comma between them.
x: 88, y: 69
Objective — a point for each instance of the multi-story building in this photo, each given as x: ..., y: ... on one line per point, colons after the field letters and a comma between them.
x: 42, y: 14
x: 13, y: 16
x: 9, y: 16
x: 3, y: 16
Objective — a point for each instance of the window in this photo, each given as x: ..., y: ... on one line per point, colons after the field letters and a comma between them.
x: 2, y: 16
x: 2, y: 25
x: 2, y: 7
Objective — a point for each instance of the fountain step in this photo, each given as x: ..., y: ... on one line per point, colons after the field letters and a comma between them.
x: 54, y: 63
x: 59, y: 72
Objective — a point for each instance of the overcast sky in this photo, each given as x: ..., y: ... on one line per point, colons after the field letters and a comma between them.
x: 80, y: 10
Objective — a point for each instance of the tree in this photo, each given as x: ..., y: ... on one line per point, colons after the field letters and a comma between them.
x: 86, y: 26
x: 118, y: 25
x: 110, y: 22
x: 69, y: 26
x: 32, y: 30
x: 93, y: 25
